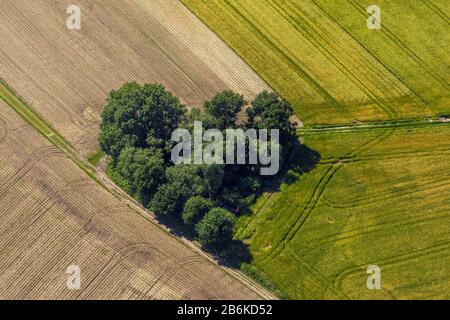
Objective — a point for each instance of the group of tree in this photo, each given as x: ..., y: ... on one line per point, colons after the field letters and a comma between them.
x: 136, y: 129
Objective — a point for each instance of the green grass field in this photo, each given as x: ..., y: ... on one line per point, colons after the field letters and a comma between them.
x: 380, y: 190
x: 377, y: 196
x: 320, y: 55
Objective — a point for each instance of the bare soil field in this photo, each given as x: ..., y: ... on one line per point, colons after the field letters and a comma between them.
x: 65, y: 75
x: 52, y: 215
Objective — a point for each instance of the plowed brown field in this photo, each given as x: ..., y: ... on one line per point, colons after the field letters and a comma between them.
x: 52, y: 215
x: 65, y: 75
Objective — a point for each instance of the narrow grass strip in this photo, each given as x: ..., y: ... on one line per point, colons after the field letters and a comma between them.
x: 16, y: 103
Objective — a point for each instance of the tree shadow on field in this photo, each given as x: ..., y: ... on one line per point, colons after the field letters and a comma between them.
x: 302, y: 160
x: 234, y: 255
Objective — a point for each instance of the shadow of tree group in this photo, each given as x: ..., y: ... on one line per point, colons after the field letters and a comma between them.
x: 302, y: 160
x: 232, y: 256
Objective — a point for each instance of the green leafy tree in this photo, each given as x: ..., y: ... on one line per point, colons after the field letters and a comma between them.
x: 212, y: 176
x: 224, y: 108
x: 269, y: 111
x: 195, y: 208
x: 143, y: 172
x: 215, y: 230
x: 161, y: 112
x: 231, y: 197
x: 189, y: 175
x: 250, y: 185
x: 138, y: 114
x: 183, y: 182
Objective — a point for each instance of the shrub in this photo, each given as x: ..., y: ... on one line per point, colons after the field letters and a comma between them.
x: 195, y: 209
x: 215, y: 230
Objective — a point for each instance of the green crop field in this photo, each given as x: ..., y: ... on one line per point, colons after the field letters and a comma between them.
x: 320, y: 55
x: 376, y: 196
x: 370, y: 185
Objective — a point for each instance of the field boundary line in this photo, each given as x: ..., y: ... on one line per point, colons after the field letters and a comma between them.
x: 11, y: 98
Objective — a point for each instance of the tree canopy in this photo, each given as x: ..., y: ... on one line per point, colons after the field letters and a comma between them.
x: 195, y: 208
x: 136, y: 130
x: 215, y: 230
x: 269, y: 111
x: 224, y: 108
x: 139, y: 116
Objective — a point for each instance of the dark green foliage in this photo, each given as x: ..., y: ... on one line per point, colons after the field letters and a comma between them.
x: 224, y: 108
x: 215, y: 230
x: 269, y: 111
x: 183, y: 182
x: 138, y: 114
x: 188, y: 175
x: 95, y: 157
x: 239, y: 183
x: 212, y: 176
x: 208, y: 121
x: 136, y: 129
x: 195, y: 208
x: 142, y: 171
